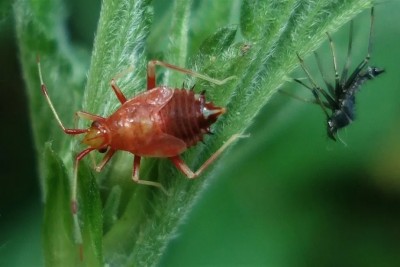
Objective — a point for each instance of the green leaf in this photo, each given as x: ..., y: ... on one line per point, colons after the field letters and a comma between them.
x: 216, y: 15
x: 41, y: 32
x: 111, y: 206
x: 218, y: 42
x: 179, y: 33
x: 120, y: 44
x: 61, y: 249
x: 59, y: 246
x: 90, y: 215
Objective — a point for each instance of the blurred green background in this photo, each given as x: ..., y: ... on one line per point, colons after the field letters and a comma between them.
x: 291, y: 197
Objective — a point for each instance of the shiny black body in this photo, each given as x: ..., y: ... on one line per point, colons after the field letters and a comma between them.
x: 343, y: 110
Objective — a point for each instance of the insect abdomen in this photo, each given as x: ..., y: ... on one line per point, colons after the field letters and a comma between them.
x: 187, y: 116
x: 369, y: 74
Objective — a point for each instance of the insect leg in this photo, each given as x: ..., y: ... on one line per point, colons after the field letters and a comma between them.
x: 44, y: 90
x: 318, y: 99
x: 136, y: 179
x: 347, y: 66
x: 321, y: 71
x: 312, y: 101
x: 74, y: 203
x: 363, y: 63
x: 370, y: 36
x: 121, y: 97
x: 314, y: 85
x: 88, y: 116
x: 106, y: 159
x: 316, y: 90
x: 151, y: 74
x: 182, y: 166
x: 334, y: 60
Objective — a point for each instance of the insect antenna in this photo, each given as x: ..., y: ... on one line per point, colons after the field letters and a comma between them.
x: 46, y: 94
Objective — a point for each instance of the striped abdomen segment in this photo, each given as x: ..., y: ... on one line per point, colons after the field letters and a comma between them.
x: 188, y: 116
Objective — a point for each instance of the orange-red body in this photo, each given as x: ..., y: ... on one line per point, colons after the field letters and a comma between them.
x: 161, y: 122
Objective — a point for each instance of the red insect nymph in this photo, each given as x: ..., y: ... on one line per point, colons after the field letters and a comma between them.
x: 160, y: 122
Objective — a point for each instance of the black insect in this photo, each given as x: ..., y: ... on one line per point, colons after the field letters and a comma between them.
x: 340, y: 97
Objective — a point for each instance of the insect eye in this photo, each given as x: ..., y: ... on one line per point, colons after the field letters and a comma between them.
x: 95, y: 124
x: 102, y: 150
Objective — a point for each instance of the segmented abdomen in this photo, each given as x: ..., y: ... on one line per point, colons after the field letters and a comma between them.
x: 184, y: 116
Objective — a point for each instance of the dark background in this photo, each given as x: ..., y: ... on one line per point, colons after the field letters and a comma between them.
x: 291, y: 196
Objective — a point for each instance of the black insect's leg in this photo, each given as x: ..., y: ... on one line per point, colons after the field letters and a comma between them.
x: 363, y: 63
x: 337, y: 85
x: 347, y: 65
x: 316, y: 90
x: 321, y: 70
x: 312, y: 101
